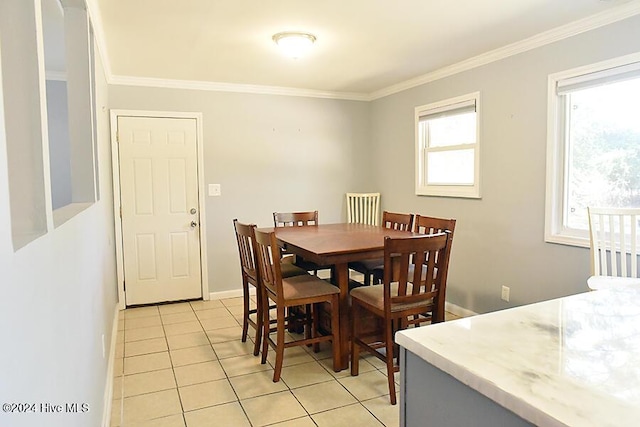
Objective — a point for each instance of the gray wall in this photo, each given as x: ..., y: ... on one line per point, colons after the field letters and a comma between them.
x: 58, y: 301
x: 269, y: 153
x: 500, y: 238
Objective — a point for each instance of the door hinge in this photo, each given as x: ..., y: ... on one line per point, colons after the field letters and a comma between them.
x: 124, y: 286
x: 117, y: 137
x: 120, y: 211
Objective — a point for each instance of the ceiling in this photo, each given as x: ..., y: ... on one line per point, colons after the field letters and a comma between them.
x: 363, y: 47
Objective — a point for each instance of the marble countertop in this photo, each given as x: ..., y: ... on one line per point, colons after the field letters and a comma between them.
x: 573, y: 361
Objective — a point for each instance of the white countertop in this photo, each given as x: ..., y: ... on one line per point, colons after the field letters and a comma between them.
x: 573, y: 361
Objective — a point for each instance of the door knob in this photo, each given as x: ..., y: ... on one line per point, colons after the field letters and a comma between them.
x: 194, y: 224
x: 193, y: 211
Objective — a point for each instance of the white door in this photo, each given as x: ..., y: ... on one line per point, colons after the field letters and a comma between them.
x: 159, y: 200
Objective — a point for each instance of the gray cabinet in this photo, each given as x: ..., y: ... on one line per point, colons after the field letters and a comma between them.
x: 430, y: 397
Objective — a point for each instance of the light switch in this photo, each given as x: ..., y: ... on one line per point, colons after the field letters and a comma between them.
x: 214, y: 190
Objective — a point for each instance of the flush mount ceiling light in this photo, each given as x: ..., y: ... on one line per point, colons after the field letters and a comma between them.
x: 294, y: 44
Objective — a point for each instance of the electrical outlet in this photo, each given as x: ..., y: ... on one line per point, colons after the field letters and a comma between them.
x: 505, y: 293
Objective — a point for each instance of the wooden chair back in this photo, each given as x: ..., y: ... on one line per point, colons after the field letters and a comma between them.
x: 433, y: 225
x: 614, y: 239
x: 268, y: 259
x: 295, y: 219
x: 397, y: 221
x: 411, y: 268
x: 363, y: 208
x: 246, y: 249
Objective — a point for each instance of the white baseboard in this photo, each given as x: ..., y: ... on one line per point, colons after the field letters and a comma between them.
x: 108, y: 387
x: 236, y: 293
x: 230, y: 294
x: 458, y: 311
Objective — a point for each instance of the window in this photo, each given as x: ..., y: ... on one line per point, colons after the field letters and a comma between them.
x: 47, y: 118
x: 593, y: 149
x: 68, y: 70
x: 55, y: 60
x: 20, y: 95
x: 448, y: 148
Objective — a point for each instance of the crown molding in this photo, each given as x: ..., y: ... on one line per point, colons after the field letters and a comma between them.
x: 574, y: 28
x: 234, y: 87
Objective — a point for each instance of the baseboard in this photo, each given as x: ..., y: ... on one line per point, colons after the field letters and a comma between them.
x: 458, y: 311
x: 108, y: 387
x: 230, y: 294
x: 236, y: 293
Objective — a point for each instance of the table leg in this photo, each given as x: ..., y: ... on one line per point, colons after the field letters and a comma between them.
x: 342, y: 281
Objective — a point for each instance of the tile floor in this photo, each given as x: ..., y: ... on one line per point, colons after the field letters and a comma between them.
x: 183, y: 365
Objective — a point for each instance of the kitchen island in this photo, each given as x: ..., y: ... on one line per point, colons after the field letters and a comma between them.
x: 573, y: 361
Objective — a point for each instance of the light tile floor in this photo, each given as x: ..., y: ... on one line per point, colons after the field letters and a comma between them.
x: 183, y: 365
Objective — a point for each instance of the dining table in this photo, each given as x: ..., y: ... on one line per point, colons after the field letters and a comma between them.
x: 338, y: 245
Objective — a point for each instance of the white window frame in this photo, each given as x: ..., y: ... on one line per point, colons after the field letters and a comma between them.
x: 555, y: 231
x: 422, y: 188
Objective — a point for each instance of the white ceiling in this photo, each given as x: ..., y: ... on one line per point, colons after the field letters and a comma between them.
x: 363, y: 47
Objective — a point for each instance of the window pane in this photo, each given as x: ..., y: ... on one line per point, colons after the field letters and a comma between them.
x: 603, y: 160
x: 451, y: 167
x: 452, y: 130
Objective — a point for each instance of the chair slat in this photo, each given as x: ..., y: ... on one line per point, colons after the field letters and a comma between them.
x: 613, y: 257
x: 602, y: 244
x: 622, y: 254
x: 634, y: 244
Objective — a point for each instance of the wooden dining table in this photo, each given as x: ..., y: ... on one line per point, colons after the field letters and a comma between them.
x: 338, y: 245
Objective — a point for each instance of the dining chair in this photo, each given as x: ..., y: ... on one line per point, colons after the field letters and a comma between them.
x: 299, y: 219
x: 391, y: 220
x: 251, y: 276
x: 295, y: 219
x: 400, y: 297
x: 304, y: 290
x: 363, y: 208
x: 614, y: 235
x: 433, y: 225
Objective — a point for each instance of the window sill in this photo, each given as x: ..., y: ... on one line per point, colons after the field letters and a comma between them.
x: 563, y: 239
x: 65, y: 213
x: 21, y: 240
x: 470, y: 192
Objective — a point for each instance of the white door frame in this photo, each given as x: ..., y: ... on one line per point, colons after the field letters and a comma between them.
x: 115, y: 163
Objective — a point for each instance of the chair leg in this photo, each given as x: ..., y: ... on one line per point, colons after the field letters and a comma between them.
x: 335, y: 332
x: 266, y: 326
x: 259, y: 323
x: 314, y: 325
x: 355, y: 348
x: 308, y: 321
x: 377, y: 277
x: 280, y: 330
x: 245, y: 304
x: 388, y: 337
